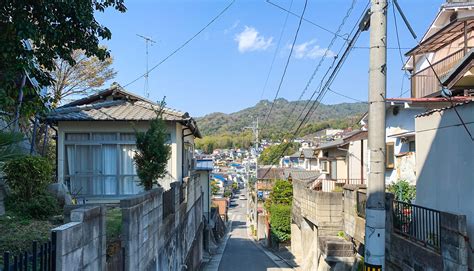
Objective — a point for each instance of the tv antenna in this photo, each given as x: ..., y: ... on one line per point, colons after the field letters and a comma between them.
x: 148, y: 41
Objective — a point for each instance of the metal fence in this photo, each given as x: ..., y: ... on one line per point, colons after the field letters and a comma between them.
x: 418, y: 223
x: 361, y: 202
x: 41, y: 257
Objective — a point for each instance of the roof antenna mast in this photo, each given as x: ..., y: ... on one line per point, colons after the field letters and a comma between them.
x: 148, y: 41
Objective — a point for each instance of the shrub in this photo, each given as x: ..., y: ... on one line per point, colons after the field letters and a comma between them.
x: 41, y: 206
x: 28, y: 176
x: 403, y: 191
x: 280, y: 221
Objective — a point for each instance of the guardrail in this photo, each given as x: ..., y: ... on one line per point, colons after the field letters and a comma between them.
x: 417, y: 223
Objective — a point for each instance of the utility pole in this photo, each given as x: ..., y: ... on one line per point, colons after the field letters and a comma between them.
x: 256, y: 178
x: 375, y: 208
x: 148, y: 40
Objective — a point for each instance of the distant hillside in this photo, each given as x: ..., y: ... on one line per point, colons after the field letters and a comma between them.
x: 339, y: 114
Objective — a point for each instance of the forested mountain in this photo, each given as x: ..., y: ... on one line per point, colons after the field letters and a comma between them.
x: 337, y: 116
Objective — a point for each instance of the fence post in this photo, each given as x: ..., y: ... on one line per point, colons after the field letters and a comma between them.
x: 35, y: 251
x: 53, y: 250
x: 6, y: 260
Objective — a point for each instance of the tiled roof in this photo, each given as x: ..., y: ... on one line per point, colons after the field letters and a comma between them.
x: 113, y: 110
x: 270, y: 173
x: 427, y: 113
x: 117, y: 104
x: 302, y: 175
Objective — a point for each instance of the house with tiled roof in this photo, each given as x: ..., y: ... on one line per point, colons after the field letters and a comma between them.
x: 96, y: 143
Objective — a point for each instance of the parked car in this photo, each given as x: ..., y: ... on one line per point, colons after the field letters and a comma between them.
x: 242, y: 197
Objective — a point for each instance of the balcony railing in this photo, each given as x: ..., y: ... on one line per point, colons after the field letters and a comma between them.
x: 425, y: 82
x: 328, y: 185
x: 418, y: 223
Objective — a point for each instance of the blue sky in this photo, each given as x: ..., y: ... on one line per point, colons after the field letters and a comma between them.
x: 224, y: 69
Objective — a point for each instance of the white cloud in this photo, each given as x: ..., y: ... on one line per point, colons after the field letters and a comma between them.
x: 251, y: 40
x: 232, y: 27
x: 311, y: 50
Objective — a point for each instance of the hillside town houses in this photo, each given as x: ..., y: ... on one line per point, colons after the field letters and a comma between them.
x: 110, y: 221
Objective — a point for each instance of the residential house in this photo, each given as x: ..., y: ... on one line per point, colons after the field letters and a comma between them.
x: 342, y: 161
x: 96, y: 144
x: 400, y: 158
x: 266, y: 177
x: 444, y: 136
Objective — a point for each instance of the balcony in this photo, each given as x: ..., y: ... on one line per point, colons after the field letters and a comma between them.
x: 425, y: 83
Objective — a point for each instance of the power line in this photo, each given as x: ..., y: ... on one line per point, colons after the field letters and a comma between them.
x: 183, y: 45
x: 276, y: 51
x: 434, y: 71
x: 331, y: 43
x: 345, y: 96
x: 287, y: 63
x: 361, y: 19
x: 323, y: 91
x: 306, y: 20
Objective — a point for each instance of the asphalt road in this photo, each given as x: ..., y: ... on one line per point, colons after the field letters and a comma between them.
x: 241, y: 253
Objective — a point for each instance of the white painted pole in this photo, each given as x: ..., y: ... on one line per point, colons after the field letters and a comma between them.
x: 375, y: 208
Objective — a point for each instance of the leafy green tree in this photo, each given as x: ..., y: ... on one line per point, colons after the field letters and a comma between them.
x: 81, y: 78
x: 9, y: 148
x: 271, y: 155
x: 55, y: 29
x: 403, y: 191
x: 153, y: 152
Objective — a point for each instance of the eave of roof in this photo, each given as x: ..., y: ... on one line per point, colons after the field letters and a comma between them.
x: 427, y: 113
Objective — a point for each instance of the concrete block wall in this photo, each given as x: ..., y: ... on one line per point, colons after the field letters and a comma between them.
x: 154, y: 242
x: 141, y: 220
x: 81, y: 243
x: 405, y: 254
x: 353, y: 224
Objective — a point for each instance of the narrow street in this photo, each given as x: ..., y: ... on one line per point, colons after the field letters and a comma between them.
x: 241, y: 253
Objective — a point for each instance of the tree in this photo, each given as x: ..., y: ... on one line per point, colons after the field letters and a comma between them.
x: 214, y: 187
x: 271, y: 155
x: 9, y: 146
x: 80, y: 78
x: 153, y: 152
x: 282, y: 193
x: 54, y: 29
x: 402, y: 190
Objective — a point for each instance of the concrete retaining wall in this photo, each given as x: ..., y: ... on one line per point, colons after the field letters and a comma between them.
x: 154, y: 242
x: 81, y: 243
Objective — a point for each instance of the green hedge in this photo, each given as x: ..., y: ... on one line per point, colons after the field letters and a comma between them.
x: 280, y: 221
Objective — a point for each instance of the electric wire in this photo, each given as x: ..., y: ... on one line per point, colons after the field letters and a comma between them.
x: 438, y: 78
x: 286, y: 64
x: 183, y: 44
x: 323, y: 91
x: 306, y: 20
x: 276, y: 51
x: 321, y: 61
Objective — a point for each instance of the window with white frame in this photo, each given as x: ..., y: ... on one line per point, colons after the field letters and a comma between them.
x: 100, y: 164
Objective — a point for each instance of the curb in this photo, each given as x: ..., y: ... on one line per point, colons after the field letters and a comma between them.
x: 275, y: 258
x: 215, y: 260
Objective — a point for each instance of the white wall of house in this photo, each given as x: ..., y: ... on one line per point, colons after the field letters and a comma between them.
x: 310, y: 164
x: 174, y: 129
x: 403, y: 121
x: 445, y: 164
x: 357, y: 159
